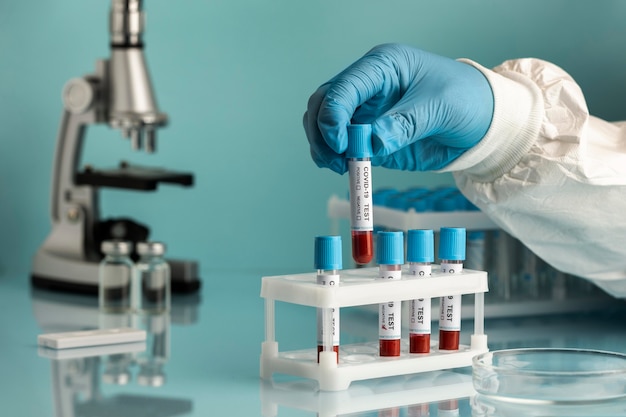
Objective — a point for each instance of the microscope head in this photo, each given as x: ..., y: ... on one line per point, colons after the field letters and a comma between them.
x: 132, y: 104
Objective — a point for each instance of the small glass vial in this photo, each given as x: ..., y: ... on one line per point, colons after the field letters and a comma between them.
x: 151, y: 292
x: 115, y: 277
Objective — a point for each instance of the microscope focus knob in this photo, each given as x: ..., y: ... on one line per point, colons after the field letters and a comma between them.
x: 78, y: 95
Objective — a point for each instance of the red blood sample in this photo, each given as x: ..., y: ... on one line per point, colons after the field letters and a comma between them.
x: 419, y: 343
x: 321, y: 349
x: 449, y: 339
x: 389, y: 347
x: 362, y: 246
x: 419, y: 410
x: 448, y: 405
x: 389, y: 412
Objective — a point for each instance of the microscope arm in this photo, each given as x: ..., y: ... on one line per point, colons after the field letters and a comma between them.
x: 74, y: 208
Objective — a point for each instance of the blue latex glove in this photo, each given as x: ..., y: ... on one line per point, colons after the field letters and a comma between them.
x: 425, y: 110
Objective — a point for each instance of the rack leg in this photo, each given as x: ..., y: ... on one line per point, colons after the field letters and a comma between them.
x: 479, y: 338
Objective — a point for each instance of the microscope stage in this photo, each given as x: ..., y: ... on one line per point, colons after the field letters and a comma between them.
x: 132, y: 177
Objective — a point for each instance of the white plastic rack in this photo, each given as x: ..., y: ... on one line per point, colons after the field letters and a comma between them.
x: 361, y: 361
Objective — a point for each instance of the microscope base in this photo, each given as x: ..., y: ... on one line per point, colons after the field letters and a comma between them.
x: 58, y: 273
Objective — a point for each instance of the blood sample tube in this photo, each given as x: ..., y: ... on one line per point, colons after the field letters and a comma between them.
x: 451, y: 255
x: 359, y: 153
x: 390, y: 256
x: 328, y: 263
x: 420, y: 255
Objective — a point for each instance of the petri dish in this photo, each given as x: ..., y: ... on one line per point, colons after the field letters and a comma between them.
x: 550, y: 376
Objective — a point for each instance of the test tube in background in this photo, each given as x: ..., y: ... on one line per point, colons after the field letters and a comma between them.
x: 451, y: 255
x: 390, y: 257
x: 500, y: 276
x: 328, y: 262
x: 359, y: 153
x: 420, y: 255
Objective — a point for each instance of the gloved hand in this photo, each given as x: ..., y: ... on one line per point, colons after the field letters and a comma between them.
x: 425, y: 110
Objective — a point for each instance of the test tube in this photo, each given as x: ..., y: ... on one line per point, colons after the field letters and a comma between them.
x: 420, y: 255
x: 452, y: 255
x: 328, y: 263
x: 390, y: 256
x: 359, y: 153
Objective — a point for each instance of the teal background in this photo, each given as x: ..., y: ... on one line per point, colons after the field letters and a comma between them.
x: 234, y: 78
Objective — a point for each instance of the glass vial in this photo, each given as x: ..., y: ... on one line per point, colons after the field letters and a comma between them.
x: 151, y: 292
x: 115, y: 277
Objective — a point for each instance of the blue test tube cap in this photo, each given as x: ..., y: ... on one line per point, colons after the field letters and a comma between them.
x: 359, y: 141
x: 328, y: 253
x: 390, y: 248
x: 452, y: 243
x: 420, y: 246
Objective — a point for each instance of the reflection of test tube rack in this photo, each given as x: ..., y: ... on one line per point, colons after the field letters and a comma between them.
x: 423, y: 390
x: 361, y: 361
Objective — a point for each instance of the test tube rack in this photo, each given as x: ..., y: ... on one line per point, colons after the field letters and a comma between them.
x: 361, y: 361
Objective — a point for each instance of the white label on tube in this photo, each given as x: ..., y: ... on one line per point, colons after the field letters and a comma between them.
x: 390, y: 313
x: 451, y: 268
x: 419, y: 316
x: 328, y: 280
x: 450, y: 312
x: 450, y: 305
x: 419, y: 310
x: 361, y: 195
x: 420, y: 270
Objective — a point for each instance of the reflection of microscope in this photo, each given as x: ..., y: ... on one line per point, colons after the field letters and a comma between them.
x: 100, y: 381
x: 120, y: 94
x: 77, y: 378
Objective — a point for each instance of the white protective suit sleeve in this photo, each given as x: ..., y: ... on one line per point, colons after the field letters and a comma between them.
x: 550, y: 174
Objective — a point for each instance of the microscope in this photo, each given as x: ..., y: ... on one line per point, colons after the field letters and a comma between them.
x: 119, y: 94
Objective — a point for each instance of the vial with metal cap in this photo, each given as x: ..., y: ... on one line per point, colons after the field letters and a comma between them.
x: 420, y: 255
x: 328, y: 262
x: 451, y: 255
x: 115, y: 277
x: 151, y: 292
x: 390, y: 258
x: 359, y: 153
